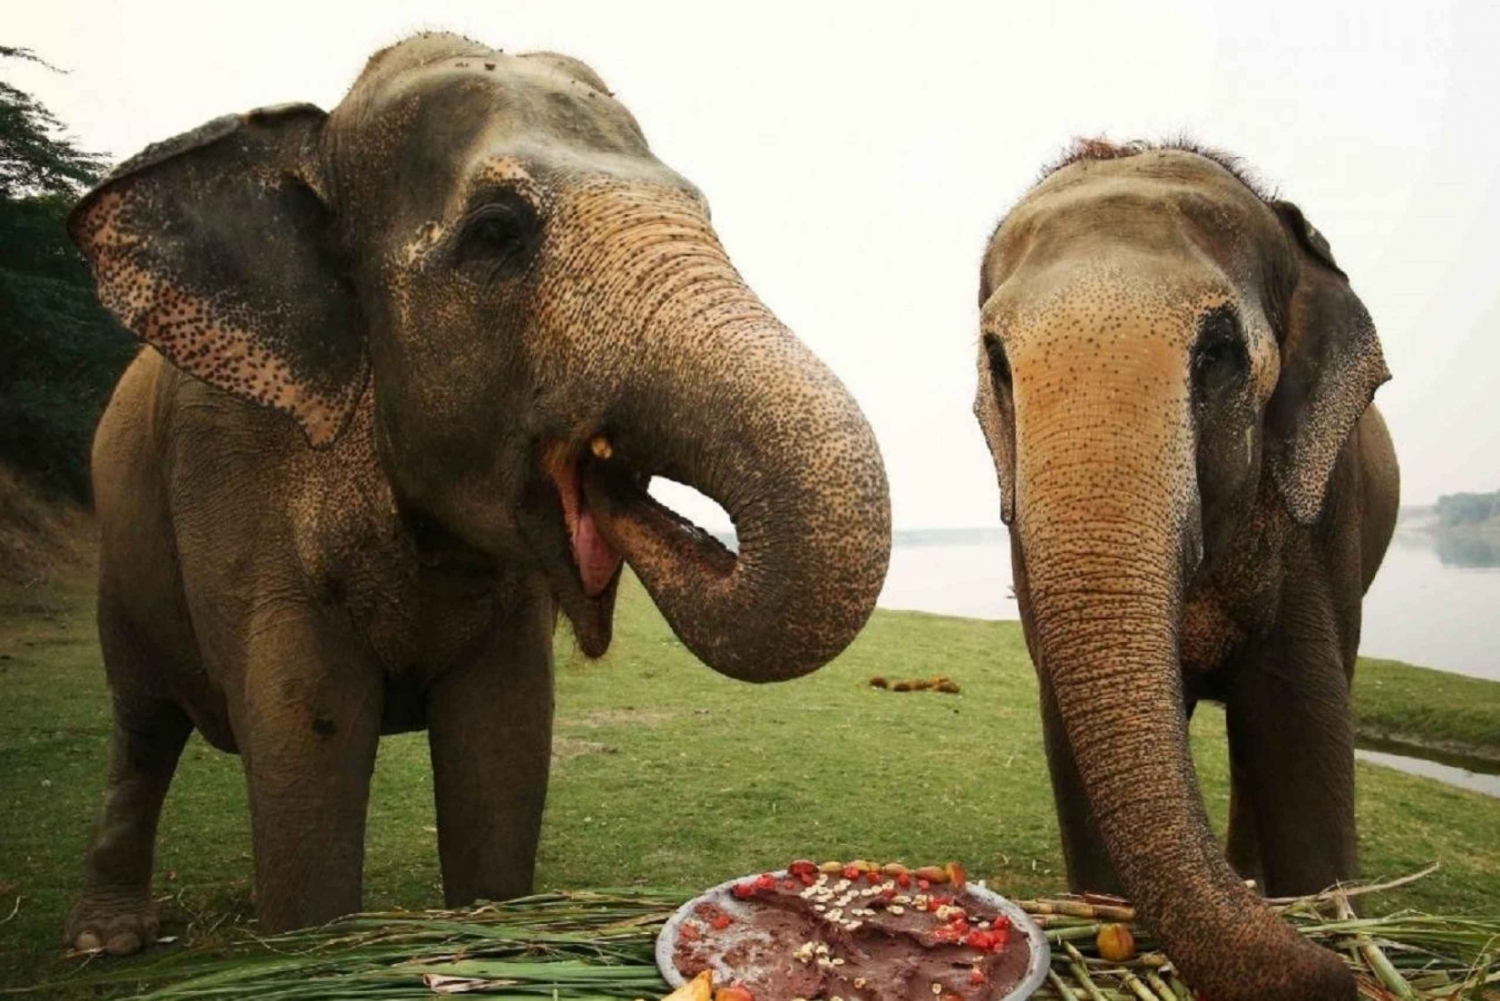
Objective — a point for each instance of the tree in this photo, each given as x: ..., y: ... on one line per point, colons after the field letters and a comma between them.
x: 34, y: 157
x: 60, y: 352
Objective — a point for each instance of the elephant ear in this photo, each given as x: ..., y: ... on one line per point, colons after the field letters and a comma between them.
x: 216, y: 249
x: 998, y: 434
x: 1331, y: 365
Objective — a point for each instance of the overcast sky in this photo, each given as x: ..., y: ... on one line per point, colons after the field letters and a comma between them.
x: 857, y: 155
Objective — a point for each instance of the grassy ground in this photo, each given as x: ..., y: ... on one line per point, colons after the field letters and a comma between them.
x: 669, y: 775
x: 1398, y: 702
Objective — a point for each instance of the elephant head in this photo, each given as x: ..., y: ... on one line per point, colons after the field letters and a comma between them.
x: 1162, y: 348
x: 483, y: 250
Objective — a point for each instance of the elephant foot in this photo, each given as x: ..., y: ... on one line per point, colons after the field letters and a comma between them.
x: 118, y: 926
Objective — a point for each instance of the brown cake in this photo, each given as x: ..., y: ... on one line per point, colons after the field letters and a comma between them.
x: 855, y: 933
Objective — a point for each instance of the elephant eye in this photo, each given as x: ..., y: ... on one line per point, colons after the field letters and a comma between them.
x: 999, y: 366
x: 1219, y: 357
x: 499, y: 237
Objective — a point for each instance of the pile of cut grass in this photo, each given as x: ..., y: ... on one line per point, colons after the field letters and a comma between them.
x: 593, y: 946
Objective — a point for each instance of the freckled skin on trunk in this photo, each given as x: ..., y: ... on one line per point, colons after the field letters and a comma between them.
x: 774, y: 438
x: 1101, y: 523
x: 1175, y: 385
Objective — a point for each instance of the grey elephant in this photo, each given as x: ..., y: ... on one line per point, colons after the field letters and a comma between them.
x: 1175, y: 382
x: 410, y: 366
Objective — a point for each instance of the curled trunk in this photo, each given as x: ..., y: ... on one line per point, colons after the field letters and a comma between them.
x: 719, y: 395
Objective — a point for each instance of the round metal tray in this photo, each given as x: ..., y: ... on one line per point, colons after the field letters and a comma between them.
x: 1036, y: 970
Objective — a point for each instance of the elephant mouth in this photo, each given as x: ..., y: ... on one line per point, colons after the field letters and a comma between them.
x: 609, y: 517
x: 595, y: 559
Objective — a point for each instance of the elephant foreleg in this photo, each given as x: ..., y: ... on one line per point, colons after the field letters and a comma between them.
x: 1090, y: 869
x: 308, y: 730
x: 1243, y: 849
x: 490, y: 731
x: 1292, y: 751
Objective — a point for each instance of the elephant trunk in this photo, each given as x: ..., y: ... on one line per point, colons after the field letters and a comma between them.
x: 1107, y: 520
x: 719, y: 395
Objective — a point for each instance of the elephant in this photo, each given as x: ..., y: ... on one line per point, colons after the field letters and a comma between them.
x: 408, y: 369
x: 1175, y: 385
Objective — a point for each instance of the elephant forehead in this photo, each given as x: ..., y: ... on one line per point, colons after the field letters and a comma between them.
x: 1099, y: 303
x: 467, y: 102
x: 1171, y: 203
x: 1102, y: 318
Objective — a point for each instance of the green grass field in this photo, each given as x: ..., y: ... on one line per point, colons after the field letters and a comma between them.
x: 669, y: 775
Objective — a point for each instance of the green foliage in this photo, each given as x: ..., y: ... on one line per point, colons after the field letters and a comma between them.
x: 1456, y: 510
x: 60, y: 353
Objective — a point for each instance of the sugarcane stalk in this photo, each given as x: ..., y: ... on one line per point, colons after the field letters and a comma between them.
x: 1375, y: 957
x: 1063, y: 990
x: 1332, y: 895
x: 1137, y: 988
x: 1165, y: 992
x: 1081, y: 973
x: 1088, y: 932
x: 1079, y: 909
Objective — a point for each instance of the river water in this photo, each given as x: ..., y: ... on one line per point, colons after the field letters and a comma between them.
x: 1435, y: 602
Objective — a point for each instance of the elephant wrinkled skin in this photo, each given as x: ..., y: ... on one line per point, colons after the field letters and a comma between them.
x: 1175, y: 383
x: 410, y: 366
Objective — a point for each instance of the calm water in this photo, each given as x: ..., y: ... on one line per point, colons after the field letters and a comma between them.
x: 1435, y: 602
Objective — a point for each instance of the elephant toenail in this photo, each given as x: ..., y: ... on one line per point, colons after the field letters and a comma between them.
x: 87, y: 942
x: 123, y: 943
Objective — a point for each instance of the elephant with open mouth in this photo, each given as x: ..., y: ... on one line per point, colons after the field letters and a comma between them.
x: 1175, y: 383
x: 410, y: 367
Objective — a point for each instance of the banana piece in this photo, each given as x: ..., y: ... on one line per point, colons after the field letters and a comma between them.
x: 700, y: 988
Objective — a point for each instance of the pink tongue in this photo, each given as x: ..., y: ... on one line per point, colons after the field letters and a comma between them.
x: 597, y: 559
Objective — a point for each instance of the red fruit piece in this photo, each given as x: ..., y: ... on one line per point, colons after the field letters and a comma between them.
x: 922, y: 884
x: 903, y: 880
x: 789, y: 884
x: 802, y: 867
x: 888, y: 892
x: 688, y: 933
x: 744, y: 891
x: 851, y: 872
x: 765, y: 881
x: 976, y: 976
x: 735, y: 993
x: 721, y: 922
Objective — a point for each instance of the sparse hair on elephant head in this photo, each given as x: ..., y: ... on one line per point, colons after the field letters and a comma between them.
x: 481, y: 251
x: 1329, y: 356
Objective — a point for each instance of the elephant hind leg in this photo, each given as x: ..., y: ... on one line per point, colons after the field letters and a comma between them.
x: 115, y: 911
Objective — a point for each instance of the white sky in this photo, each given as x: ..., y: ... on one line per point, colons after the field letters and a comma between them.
x: 856, y: 156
